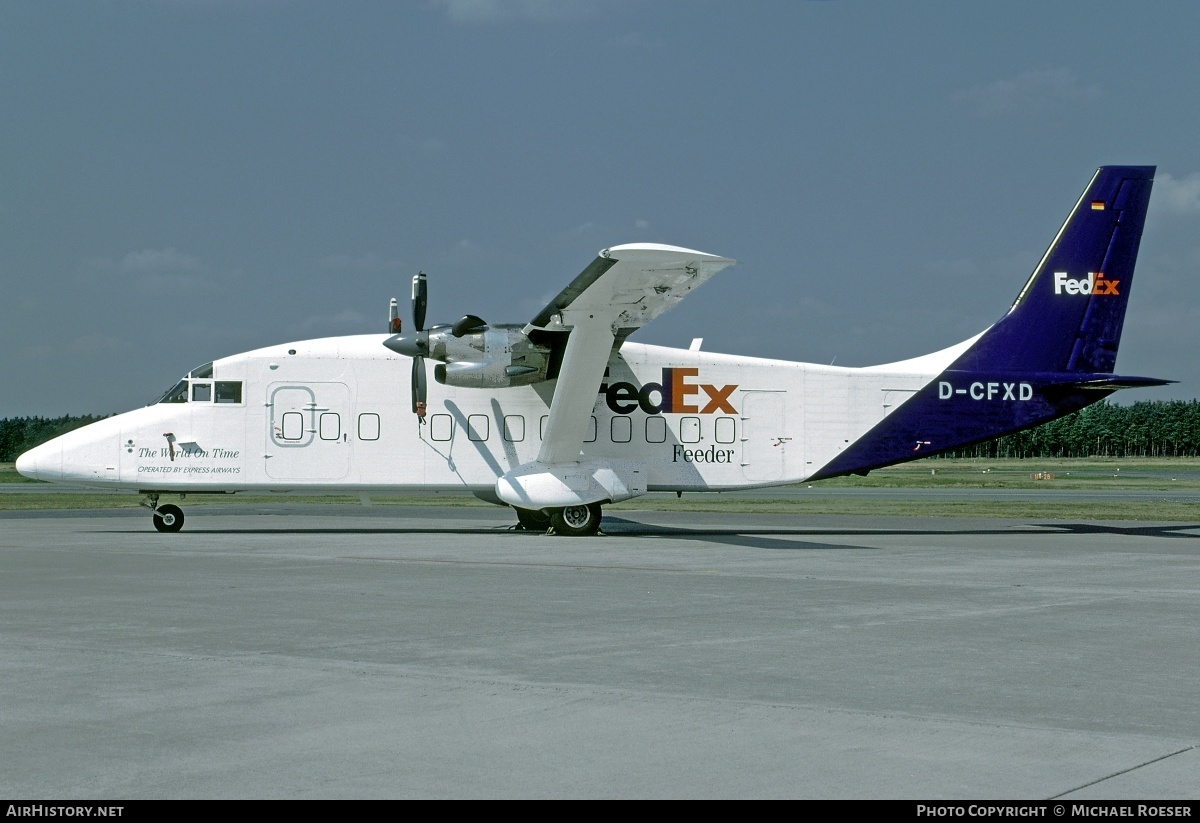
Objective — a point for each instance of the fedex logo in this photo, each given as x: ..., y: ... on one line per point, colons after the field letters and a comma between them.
x: 677, y: 394
x: 1094, y: 283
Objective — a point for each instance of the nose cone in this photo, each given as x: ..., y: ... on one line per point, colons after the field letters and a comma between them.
x: 408, y: 345
x: 43, y: 462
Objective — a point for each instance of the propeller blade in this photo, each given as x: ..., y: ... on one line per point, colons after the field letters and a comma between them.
x: 468, y: 324
x: 420, y: 298
x: 418, y: 387
x: 393, y: 317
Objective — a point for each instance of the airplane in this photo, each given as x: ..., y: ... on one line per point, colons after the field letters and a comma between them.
x: 562, y: 415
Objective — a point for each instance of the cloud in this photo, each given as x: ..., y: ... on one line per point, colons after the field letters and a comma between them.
x: 583, y: 229
x: 1030, y: 91
x: 152, y: 269
x: 487, y: 11
x: 1177, y: 196
x: 159, y: 260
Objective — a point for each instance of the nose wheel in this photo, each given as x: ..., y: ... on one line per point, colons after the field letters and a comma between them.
x: 168, y: 518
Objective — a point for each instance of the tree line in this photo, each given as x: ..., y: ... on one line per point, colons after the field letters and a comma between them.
x: 19, y: 434
x: 1150, y: 428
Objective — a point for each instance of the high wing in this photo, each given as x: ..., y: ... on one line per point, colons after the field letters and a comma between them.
x: 629, y: 286
x: 623, y: 289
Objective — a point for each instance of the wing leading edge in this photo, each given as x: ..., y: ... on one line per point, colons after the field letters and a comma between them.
x: 623, y: 289
x: 631, y: 285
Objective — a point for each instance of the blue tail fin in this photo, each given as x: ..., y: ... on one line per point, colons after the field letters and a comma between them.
x: 1068, y: 317
x: 1052, y: 354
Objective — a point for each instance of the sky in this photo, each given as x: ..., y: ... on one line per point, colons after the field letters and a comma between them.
x: 181, y: 180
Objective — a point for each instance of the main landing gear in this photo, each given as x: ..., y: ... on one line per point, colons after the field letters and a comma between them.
x: 573, y: 521
x: 168, y: 518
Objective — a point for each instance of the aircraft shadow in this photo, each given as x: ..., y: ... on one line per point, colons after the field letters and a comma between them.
x: 771, y: 538
x: 766, y: 538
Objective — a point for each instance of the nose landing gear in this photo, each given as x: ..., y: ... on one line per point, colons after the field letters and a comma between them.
x: 168, y: 518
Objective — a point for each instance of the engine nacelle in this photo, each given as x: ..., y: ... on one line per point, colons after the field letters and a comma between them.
x: 499, y: 357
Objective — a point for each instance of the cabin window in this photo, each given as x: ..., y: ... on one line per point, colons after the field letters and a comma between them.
x: 514, y: 428
x: 621, y: 429
x: 330, y: 426
x: 201, y: 392
x: 478, y: 427
x: 689, y: 430
x: 293, y: 426
x: 726, y: 429
x: 368, y: 426
x: 656, y: 429
x: 589, y: 438
x: 176, y: 394
x: 441, y: 427
x: 229, y: 391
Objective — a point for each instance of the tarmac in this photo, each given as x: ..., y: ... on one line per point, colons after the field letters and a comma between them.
x: 290, y: 651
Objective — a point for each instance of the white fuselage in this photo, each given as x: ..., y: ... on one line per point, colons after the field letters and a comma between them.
x: 333, y: 415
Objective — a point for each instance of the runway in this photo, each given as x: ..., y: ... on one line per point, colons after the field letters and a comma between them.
x: 400, y: 652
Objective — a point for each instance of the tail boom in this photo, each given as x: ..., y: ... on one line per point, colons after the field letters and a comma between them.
x: 961, y: 408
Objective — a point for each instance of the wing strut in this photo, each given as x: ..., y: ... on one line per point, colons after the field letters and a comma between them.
x: 622, y: 290
x: 582, y: 371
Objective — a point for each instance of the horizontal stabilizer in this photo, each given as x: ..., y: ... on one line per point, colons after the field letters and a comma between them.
x: 1112, y: 383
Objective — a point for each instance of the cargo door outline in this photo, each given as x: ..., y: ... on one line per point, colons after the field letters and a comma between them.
x: 764, y: 440
x: 294, y: 451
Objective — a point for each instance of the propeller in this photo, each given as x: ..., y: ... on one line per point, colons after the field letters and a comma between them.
x: 416, y: 344
x: 420, y: 299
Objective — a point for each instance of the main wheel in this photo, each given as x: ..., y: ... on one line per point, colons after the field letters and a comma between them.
x: 168, y: 518
x: 533, y: 520
x: 576, y: 521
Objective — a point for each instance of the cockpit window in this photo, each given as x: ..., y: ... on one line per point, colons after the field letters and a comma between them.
x: 176, y: 394
x: 201, y: 392
x: 202, y: 372
x: 229, y: 391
